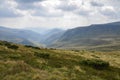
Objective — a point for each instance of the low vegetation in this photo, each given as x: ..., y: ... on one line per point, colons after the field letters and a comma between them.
x: 95, y: 63
x: 30, y: 63
x: 28, y: 46
x: 9, y: 45
x: 42, y: 55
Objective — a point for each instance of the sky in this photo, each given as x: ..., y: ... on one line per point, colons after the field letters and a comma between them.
x: 57, y: 13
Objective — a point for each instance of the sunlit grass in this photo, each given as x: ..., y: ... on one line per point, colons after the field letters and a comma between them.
x: 29, y: 63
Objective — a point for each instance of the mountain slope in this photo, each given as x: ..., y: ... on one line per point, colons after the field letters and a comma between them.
x: 19, y: 62
x: 19, y: 36
x: 51, y: 36
x: 90, y: 36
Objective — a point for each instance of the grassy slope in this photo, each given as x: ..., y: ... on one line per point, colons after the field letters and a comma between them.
x: 50, y: 64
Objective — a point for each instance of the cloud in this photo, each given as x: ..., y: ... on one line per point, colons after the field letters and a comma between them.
x: 97, y: 4
x: 26, y: 4
x: 66, y: 6
x: 40, y: 8
x: 28, y: 1
x: 62, y: 13
x: 47, y: 13
x: 109, y: 11
x: 6, y: 11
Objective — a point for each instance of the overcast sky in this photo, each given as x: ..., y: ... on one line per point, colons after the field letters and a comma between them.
x: 57, y: 13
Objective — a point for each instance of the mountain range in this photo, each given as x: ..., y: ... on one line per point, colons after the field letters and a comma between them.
x: 26, y: 37
x: 93, y: 36
x: 96, y: 35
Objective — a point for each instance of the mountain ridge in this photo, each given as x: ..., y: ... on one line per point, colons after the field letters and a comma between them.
x: 19, y: 35
x: 93, y: 35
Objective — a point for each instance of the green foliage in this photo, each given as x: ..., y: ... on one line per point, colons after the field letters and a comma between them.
x: 42, y: 55
x: 29, y: 46
x: 9, y: 45
x: 1, y: 43
x: 13, y: 47
x: 95, y: 63
x: 5, y: 43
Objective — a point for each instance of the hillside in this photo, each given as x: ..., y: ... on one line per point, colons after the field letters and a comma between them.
x: 20, y: 62
x: 51, y: 36
x: 97, y: 35
x: 20, y: 36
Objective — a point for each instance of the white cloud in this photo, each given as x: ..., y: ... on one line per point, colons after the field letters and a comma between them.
x: 7, y: 9
x: 108, y: 11
x: 57, y: 13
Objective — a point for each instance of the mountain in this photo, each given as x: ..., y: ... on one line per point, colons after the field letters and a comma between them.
x: 38, y: 29
x: 96, y: 35
x: 29, y: 37
x: 19, y: 36
x: 51, y: 36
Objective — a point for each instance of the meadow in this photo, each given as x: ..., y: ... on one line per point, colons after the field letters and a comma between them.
x: 23, y: 62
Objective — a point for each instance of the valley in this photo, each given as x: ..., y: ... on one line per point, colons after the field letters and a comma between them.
x: 82, y: 53
x: 59, y: 39
x: 89, y: 37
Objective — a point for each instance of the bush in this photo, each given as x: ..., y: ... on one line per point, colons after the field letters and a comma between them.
x: 32, y: 47
x: 28, y: 46
x: 42, y: 55
x: 7, y: 44
x: 95, y: 63
x: 13, y: 47
x: 1, y: 43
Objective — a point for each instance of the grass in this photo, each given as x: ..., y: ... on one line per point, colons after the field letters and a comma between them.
x: 30, y: 63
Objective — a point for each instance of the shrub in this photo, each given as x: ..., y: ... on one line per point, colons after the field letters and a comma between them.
x: 32, y: 47
x: 5, y: 43
x: 95, y: 63
x: 1, y: 43
x: 42, y: 55
x: 13, y: 47
x: 36, y: 47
